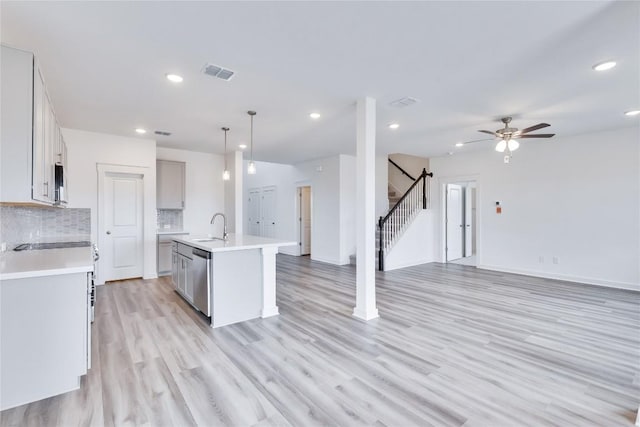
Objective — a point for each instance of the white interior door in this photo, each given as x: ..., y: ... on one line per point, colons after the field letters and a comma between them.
x: 454, y: 221
x: 468, y: 221
x: 122, y: 226
x: 253, y: 209
x: 305, y: 220
x: 268, y: 210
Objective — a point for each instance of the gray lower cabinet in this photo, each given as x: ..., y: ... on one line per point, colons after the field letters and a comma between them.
x: 164, y: 252
x: 182, y: 274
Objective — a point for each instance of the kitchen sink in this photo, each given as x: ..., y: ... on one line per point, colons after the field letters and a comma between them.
x: 208, y: 239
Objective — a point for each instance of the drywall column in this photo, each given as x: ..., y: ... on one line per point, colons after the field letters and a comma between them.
x: 365, y: 209
x: 233, y: 196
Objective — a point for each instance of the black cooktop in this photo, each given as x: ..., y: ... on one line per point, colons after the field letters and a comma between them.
x: 52, y: 245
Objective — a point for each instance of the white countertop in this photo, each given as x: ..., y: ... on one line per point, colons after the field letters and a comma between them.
x: 236, y: 242
x: 45, y: 262
x: 161, y: 232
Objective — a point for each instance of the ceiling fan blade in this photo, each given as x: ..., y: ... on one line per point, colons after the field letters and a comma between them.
x: 539, y: 135
x: 534, y: 127
x: 478, y: 140
x: 489, y: 132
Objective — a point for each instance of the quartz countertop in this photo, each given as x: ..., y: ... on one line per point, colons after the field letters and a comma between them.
x: 168, y: 231
x: 45, y: 262
x: 235, y: 242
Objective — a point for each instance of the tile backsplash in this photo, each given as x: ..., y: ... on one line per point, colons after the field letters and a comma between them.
x: 43, y: 224
x: 171, y: 218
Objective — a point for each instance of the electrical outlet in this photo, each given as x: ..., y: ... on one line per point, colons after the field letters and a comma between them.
x: 541, y: 259
x: 166, y: 226
x: 555, y: 260
x: 3, y: 247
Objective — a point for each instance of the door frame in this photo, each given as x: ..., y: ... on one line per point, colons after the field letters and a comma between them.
x: 299, y: 217
x: 442, y: 187
x: 144, y: 172
x: 299, y: 185
x: 462, y: 213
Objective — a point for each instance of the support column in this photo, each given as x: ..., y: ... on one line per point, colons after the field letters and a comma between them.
x: 233, y: 196
x: 365, y: 210
x: 269, y: 307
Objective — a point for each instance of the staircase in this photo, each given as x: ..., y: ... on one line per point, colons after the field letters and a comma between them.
x: 402, y: 211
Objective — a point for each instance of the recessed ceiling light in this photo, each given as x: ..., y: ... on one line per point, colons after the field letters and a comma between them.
x: 603, y: 66
x: 394, y: 126
x: 459, y: 144
x: 314, y: 115
x: 174, y: 78
x: 242, y: 146
x: 632, y: 113
x: 141, y: 131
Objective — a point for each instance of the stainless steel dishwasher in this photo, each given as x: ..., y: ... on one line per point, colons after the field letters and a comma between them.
x: 202, y: 281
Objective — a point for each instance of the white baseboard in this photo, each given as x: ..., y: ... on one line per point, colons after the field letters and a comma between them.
x: 564, y: 277
x: 327, y: 260
x: 406, y: 264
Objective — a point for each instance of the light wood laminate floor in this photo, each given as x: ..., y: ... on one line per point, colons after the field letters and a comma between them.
x: 454, y: 346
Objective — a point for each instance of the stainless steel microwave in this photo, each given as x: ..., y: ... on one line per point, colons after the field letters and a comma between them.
x: 60, y: 193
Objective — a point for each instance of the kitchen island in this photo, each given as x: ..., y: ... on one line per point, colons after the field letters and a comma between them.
x: 229, y: 281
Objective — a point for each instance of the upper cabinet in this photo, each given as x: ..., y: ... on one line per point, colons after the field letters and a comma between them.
x: 170, y: 184
x: 31, y: 142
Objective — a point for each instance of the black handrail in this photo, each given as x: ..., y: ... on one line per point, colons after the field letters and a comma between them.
x: 404, y: 172
x: 423, y: 177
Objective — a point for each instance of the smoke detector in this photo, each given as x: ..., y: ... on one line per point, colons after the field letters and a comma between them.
x: 163, y: 133
x: 403, y: 102
x: 218, y: 71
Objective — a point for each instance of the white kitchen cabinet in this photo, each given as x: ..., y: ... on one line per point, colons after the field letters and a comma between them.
x: 46, y: 337
x: 170, y: 184
x: 29, y: 131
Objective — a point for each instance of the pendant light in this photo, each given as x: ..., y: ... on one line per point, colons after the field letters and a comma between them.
x: 251, y: 170
x: 226, y: 176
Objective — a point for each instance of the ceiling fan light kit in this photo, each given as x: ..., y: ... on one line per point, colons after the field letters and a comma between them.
x: 506, y: 136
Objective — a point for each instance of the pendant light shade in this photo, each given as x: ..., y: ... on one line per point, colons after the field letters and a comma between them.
x: 226, y: 176
x: 251, y: 170
x: 513, y: 145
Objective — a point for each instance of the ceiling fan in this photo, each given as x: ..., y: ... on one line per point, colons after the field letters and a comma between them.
x: 506, y: 136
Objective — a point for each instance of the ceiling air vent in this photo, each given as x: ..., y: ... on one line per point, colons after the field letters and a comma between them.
x: 403, y: 102
x: 218, y: 71
x: 163, y: 133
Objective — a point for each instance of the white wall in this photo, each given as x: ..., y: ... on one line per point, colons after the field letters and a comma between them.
x: 204, y: 188
x: 332, y: 203
x: 348, y: 208
x: 575, y: 198
x: 282, y: 177
x: 85, y: 151
x: 414, y: 246
x: 382, y: 180
x: 412, y: 164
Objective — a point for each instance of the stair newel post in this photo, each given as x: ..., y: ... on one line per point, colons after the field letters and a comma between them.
x: 380, y: 248
x: 424, y: 188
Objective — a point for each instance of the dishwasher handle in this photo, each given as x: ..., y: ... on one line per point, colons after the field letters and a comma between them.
x: 201, y: 254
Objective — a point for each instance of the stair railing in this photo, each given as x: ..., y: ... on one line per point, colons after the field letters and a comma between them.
x: 401, y: 214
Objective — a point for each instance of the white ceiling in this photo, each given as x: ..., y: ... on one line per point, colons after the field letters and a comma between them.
x: 468, y: 62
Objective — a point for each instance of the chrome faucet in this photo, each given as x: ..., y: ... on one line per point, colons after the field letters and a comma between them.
x: 225, y: 235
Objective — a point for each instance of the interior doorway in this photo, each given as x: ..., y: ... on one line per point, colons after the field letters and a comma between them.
x: 121, y: 225
x: 461, y: 223
x: 304, y: 219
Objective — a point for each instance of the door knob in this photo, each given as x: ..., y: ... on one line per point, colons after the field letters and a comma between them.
x: 108, y: 232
